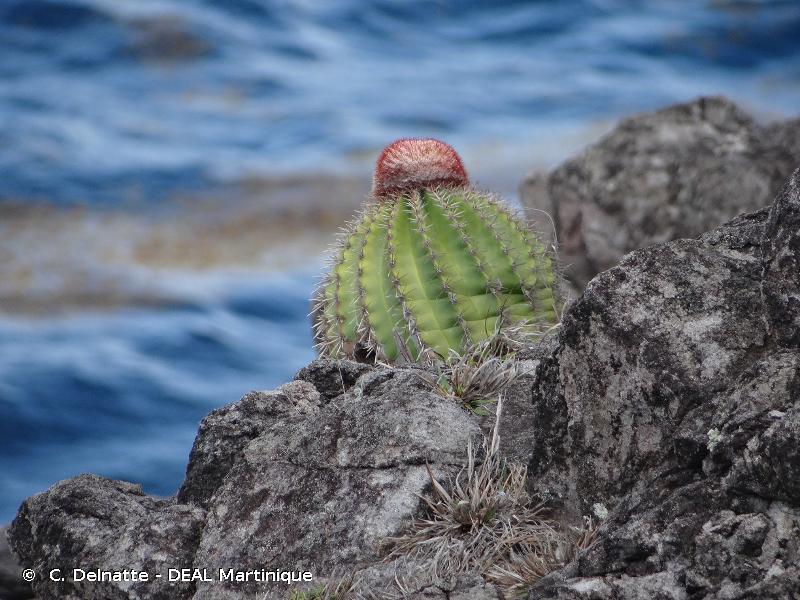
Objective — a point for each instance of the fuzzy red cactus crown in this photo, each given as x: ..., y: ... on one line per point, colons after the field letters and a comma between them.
x: 411, y: 164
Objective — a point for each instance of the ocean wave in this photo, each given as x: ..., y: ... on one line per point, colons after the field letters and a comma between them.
x: 120, y: 393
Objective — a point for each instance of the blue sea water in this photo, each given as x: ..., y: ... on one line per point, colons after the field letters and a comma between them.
x: 105, y: 102
x: 121, y: 393
x: 103, y: 99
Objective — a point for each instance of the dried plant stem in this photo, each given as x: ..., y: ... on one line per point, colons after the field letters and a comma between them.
x: 483, y: 521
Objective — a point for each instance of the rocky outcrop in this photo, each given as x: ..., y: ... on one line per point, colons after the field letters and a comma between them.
x: 674, y: 173
x: 650, y: 341
x: 322, y: 493
x: 674, y: 401
x: 287, y: 480
x: 666, y: 407
x: 93, y: 523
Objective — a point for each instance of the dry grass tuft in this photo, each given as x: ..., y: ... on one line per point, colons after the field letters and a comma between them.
x: 478, y: 376
x: 484, y: 522
x: 475, y: 382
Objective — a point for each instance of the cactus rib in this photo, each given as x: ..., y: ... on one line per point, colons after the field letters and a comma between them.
x: 460, y: 268
x: 380, y: 306
x: 435, y: 318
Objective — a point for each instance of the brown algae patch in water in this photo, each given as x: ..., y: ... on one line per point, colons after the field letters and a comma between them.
x: 55, y: 258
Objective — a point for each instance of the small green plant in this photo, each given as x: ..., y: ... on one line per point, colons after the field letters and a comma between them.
x: 431, y: 266
x: 335, y: 588
x: 315, y: 594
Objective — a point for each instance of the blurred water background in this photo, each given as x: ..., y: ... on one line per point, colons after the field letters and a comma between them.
x: 171, y: 171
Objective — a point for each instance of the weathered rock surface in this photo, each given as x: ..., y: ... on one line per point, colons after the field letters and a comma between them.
x: 225, y: 432
x: 674, y: 173
x: 781, y: 253
x: 412, y: 578
x: 674, y: 401
x: 89, y: 523
x: 517, y: 420
x: 649, y: 341
x: 321, y: 494
x: 12, y: 586
x: 332, y: 377
x: 284, y: 479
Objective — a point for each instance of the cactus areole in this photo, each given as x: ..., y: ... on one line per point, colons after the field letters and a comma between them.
x: 431, y: 265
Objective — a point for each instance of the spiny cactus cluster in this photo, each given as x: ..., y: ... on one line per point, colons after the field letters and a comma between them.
x: 431, y: 265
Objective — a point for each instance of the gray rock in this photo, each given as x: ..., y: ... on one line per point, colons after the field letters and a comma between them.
x: 770, y: 462
x: 781, y: 252
x: 691, y: 541
x: 332, y: 377
x: 226, y: 431
x: 290, y: 481
x: 647, y: 342
x: 672, y: 405
x: 90, y: 523
x: 411, y: 580
x: 322, y: 493
x: 517, y: 417
x: 12, y: 586
x: 658, y: 177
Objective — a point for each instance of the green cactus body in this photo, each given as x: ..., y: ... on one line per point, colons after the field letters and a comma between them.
x: 433, y: 270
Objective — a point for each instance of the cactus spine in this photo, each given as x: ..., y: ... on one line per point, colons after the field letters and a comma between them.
x: 430, y: 265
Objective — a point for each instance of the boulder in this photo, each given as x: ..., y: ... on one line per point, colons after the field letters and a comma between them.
x: 657, y: 177
x: 322, y: 494
x: 675, y: 406
x: 649, y: 341
x: 93, y: 523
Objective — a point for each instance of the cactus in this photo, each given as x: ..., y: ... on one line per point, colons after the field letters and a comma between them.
x: 431, y: 265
